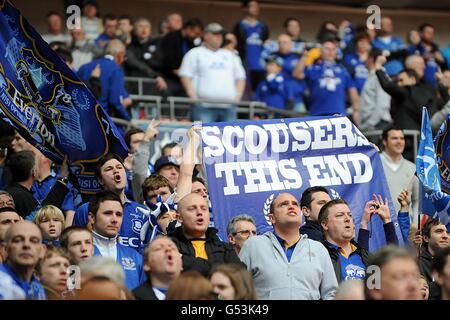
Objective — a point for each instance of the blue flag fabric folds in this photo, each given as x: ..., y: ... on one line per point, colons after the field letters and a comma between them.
x: 47, y: 103
x: 434, y: 202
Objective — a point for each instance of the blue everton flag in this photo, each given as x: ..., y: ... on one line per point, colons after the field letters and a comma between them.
x: 248, y: 163
x: 48, y: 105
x: 434, y: 202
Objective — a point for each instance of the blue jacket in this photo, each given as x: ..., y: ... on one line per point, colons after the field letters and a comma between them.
x: 132, y: 264
x: 113, y: 84
x: 33, y: 290
x: 133, y: 220
x: 328, y: 83
x: 41, y: 189
x: 405, y: 224
x: 277, y: 92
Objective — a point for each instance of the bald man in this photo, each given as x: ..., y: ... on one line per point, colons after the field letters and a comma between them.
x: 284, y: 264
x: 114, y: 98
x: 24, y: 248
x: 199, y: 244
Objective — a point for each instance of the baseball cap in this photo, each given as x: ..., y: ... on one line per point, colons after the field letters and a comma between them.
x: 164, y: 161
x: 213, y: 27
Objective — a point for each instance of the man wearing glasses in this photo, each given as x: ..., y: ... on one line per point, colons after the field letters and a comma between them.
x: 239, y: 229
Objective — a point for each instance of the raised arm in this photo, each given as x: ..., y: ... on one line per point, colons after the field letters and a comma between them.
x: 299, y: 71
x: 184, y: 185
x: 386, y: 83
x: 140, y: 160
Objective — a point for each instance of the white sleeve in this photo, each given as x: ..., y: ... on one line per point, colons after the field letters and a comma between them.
x: 188, y: 64
x: 238, y: 69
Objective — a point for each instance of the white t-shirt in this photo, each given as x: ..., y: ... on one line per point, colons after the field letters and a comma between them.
x: 214, y: 73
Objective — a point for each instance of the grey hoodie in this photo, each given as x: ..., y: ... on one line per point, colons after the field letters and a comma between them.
x: 308, y: 276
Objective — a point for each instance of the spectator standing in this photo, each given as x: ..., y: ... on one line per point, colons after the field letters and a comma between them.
x: 276, y: 90
x: 399, y: 172
x: 124, y: 31
x: 429, y: 50
x: 232, y: 281
x: 435, y: 238
x: 375, y: 102
x: 24, y: 170
x: 328, y: 82
x: 202, y: 66
x: 109, y: 31
x: 174, y: 21
x: 90, y: 22
x: 142, y: 54
x: 55, y: 29
x: 356, y: 63
x: 312, y: 200
x: 251, y: 34
x: 114, y: 98
x: 52, y: 271
x: 385, y: 41
x: 174, y: 46
x: 83, y: 50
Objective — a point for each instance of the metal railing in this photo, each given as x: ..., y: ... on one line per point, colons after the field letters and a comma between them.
x: 150, y: 102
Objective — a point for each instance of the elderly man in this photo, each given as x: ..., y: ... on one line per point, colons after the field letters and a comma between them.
x: 200, y: 69
x: 162, y: 264
x: 199, y: 244
x: 114, y: 98
x: 285, y: 264
x: 240, y: 229
x: 24, y: 248
x: 142, y: 54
